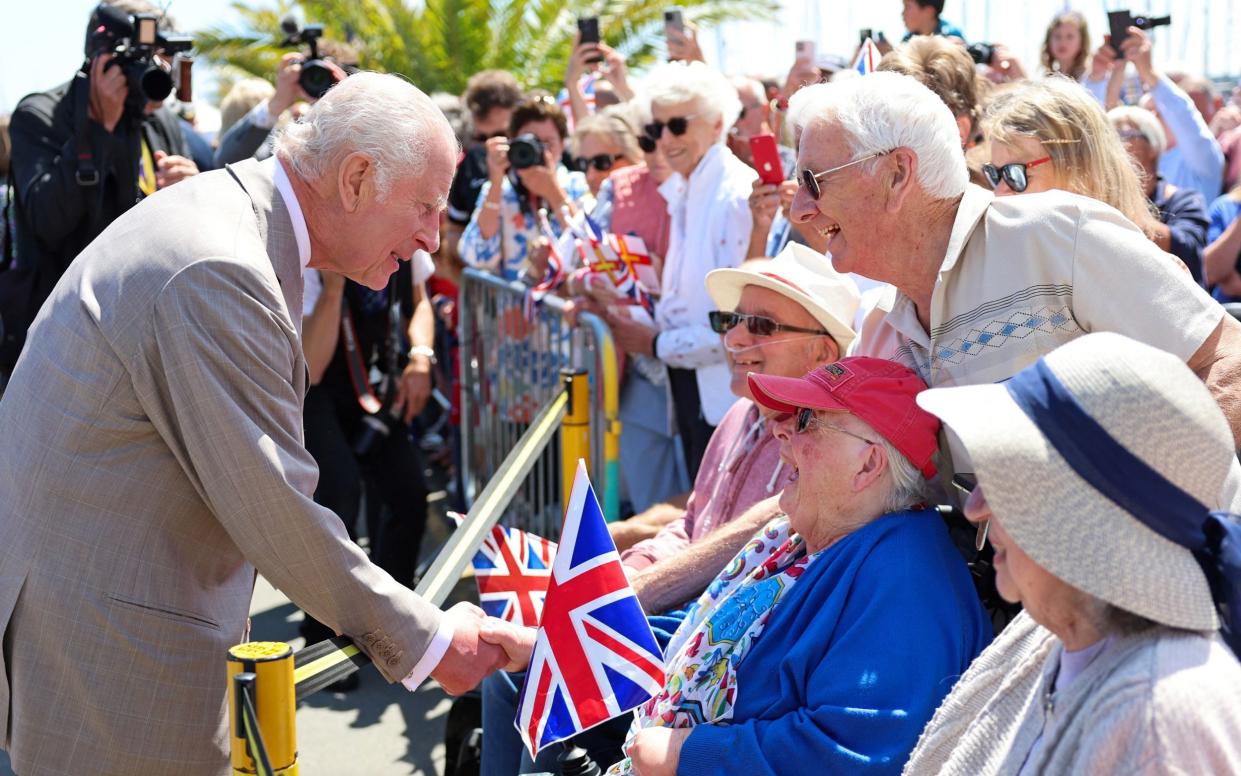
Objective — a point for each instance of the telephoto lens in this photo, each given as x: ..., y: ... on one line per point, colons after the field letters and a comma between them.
x: 525, y: 151
x: 316, y: 78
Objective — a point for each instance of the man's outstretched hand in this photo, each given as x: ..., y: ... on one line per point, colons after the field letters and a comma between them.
x: 469, y: 659
x: 517, y: 642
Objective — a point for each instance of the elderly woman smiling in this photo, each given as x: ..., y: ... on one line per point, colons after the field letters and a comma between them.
x: 1101, y: 464
x: 830, y: 638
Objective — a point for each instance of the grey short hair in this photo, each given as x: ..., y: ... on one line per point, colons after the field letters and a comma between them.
x: 883, y: 111
x: 612, y: 125
x: 383, y: 116
x: 1143, y: 121
x: 677, y: 82
x: 908, y: 486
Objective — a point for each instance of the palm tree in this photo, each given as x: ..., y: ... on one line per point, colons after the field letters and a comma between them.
x: 438, y: 44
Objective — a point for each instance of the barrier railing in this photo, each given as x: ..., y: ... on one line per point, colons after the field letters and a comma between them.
x: 267, y: 678
x: 512, y: 352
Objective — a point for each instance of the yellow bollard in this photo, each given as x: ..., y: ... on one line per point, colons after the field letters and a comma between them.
x: 272, y: 664
x: 574, y: 430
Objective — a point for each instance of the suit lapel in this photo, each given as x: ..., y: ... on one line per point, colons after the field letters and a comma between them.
x: 276, y: 229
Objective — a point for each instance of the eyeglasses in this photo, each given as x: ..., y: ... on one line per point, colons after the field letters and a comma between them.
x: 677, y: 125
x: 1013, y: 174
x: 646, y: 143
x: 806, y: 420
x: 1127, y: 135
x: 811, y: 179
x: 601, y: 162
x: 965, y: 483
x: 723, y: 322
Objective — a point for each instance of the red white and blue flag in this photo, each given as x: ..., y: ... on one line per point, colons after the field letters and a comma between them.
x: 512, y: 569
x: 594, y: 657
x: 868, y: 57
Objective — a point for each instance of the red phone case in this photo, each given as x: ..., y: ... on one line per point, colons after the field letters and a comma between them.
x: 767, y: 159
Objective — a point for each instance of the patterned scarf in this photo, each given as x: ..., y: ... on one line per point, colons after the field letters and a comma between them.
x: 718, y: 630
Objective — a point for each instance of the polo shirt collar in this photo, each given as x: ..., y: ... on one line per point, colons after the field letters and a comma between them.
x: 974, y: 203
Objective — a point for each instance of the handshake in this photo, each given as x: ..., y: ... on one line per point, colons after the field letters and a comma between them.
x: 480, y: 646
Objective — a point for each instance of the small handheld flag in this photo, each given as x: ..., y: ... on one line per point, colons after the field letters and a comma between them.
x: 595, y: 656
x: 868, y: 57
x: 512, y: 569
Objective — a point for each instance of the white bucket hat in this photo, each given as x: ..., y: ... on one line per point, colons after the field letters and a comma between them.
x: 805, y: 277
x: 1100, y: 422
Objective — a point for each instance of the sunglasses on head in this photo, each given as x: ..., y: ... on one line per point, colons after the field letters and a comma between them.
x: 964, y: 483
x: 811, y: 179
x: 1014, y: 174
x: 646, y: 143
x: 677, y: 125
x: 601, y: 162
x: 723, y: 322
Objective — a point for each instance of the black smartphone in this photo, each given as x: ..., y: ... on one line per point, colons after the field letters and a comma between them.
x: 865, y: 34
x: 588, y: 33
x: 1120, y: 22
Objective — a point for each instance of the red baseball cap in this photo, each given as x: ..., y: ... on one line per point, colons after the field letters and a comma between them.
x: 876, y: 390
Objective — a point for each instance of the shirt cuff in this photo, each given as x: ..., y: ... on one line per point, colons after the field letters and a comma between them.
x: 261, y: 117
x: 431, y: 658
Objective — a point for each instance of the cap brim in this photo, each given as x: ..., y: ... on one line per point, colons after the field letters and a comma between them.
x: 789, y: 394
x: 725, y: 286
x: 1064, y: 524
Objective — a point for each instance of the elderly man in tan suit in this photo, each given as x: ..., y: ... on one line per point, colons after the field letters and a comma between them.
x: 151, y: 454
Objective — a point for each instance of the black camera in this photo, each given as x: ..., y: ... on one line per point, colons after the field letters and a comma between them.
x: 135, y: 43
x: 374, y: 432
x: 526, y: 151
x: 316, y: 77
x: 1119, y: 23
x: 981, y: 53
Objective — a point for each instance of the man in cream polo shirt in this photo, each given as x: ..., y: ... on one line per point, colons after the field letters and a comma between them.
x: 982, y: 287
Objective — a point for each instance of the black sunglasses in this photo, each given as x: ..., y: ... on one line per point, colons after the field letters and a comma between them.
x: 646, y: 143
x: 811, y: 179
x: 601, y: 162
x: 965, y: 483
x: 1013, y: 174
x: 677, y: 125
x: 723, y: 322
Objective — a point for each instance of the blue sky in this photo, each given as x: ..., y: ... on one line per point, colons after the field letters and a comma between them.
x: 41, y: 40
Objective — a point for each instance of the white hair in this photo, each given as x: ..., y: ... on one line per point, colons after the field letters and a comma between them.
x: 675, y: 82
x: 908, y: 486
x: 382, y: 116
x: 1143, y: 121
x: 883, y: 111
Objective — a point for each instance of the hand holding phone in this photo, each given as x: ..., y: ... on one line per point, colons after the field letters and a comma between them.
x: 588, y: 34
x: 767, y: 159
x: 1119, y: 22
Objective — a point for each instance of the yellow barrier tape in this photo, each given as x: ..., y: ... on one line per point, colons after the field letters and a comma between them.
x: 324, y: 663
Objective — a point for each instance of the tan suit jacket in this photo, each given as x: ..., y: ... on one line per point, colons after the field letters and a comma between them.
x: 151, y: 458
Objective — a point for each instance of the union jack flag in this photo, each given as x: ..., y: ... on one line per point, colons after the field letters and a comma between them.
x: 512, y: 569
x: 594, y: 657
x: 867, y: 57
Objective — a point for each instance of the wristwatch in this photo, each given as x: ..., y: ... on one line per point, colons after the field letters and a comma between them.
x: 423, y: 350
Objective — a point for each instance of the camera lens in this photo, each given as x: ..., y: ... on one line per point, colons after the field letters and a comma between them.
x: 155, y: 83
x: 316, y: 78
x: 525, y: 151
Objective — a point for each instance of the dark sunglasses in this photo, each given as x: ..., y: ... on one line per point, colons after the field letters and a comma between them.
x: 646, y: 143
x: 723, y: 322
x: 811, y: 179
x: 677, y: 125
x: 482, y: 137
x: 965, y: 484
x: 805, y: 416
x: 1013, y: 174
x: 601, y: 162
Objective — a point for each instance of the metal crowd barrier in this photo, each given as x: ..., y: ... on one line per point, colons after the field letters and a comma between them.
x: 512, y: 352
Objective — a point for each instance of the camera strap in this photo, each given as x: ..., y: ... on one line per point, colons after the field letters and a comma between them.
x: 87, y: 174
x: 358, y: 374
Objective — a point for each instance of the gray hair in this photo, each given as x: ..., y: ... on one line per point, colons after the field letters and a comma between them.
x: 1143, y: 121
x: 612, y: 125
x: 908, y: 486
x: 382, y: 116
x: 676, y: 82
x: 880, y: 112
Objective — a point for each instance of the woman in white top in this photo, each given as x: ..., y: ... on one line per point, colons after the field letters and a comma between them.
x: 1105, y: 465
x: 692, y: 108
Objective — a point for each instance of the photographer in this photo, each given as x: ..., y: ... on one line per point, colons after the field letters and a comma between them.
x: 252, y: 136
x: 84, y: 153
x: 524, y: 175
x: 490, y: 96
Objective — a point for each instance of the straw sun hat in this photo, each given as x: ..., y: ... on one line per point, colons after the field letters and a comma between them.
x: 1100, y: 422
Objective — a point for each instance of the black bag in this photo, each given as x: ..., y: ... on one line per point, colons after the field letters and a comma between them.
x: 17, y: 288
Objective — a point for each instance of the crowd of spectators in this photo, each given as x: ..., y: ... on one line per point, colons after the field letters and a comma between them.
x: 1030, y: 245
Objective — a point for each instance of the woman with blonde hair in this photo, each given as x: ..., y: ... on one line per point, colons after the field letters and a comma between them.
x: 1052, y: 134
x: 1066, y: 46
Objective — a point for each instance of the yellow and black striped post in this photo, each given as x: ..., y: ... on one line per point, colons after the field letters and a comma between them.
x: 273, y: 751
x: 574, y: 429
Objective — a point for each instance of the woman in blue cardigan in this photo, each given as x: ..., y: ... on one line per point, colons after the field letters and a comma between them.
x: 827, y: 643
